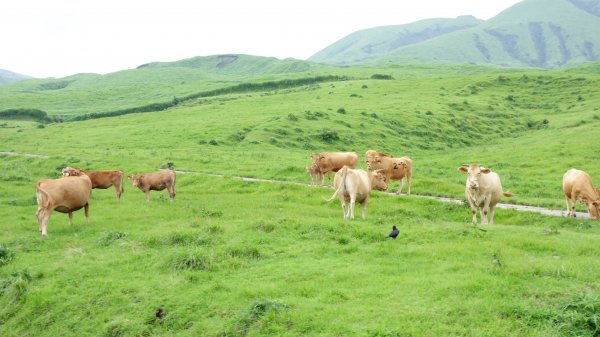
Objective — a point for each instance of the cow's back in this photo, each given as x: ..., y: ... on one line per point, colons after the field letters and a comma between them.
x: 336, y: 160
x: 105, y: 178
x: 356, y: 183
x: 489, y: 184
x: 67, y: 193
x: 576, y: 180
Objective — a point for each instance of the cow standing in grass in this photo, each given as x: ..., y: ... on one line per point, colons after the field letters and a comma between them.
x: 393, y: 168
x: 102, y: 179
x: 483, y: 190
x: 155, y: 182
x: 355, y: 186
x: 334, y: 161
x: 65, y: 195
x: 577, y: 185
x: 316, y: 176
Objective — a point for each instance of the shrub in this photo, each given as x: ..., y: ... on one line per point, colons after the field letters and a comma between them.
x: 341, y: 111
x: 106, y: 238
x: 292, y: 117
x: 381, y: 77
x: 6, y: 255
x: 328, y: 136
x: 169, y: 165
x: 213, y: 142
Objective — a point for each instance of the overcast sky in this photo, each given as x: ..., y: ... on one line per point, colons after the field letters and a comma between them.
x: 57, y: 38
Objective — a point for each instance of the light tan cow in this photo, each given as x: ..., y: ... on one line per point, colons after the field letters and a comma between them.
x: 355, y: 185
x: 65, y: 195
x: 155, y: 182
x: 334, y: 161
x: 316, y: 176
x: 394, y: 168
x: 483, y: 190
x: 577, y: 185
x: 101, y: 179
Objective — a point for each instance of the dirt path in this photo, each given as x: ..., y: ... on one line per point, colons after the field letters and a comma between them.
x: 524, y: 208
x: 9, y: 153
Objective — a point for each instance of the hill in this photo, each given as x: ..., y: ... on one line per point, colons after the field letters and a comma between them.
x: 533, y: 33
x: 7, y: 76
x: 148, y: 84
x: 231, y: 257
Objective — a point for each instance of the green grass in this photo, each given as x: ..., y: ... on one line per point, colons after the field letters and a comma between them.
x: 235, y: 258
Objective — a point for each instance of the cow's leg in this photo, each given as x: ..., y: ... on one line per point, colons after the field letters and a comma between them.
x: 363, y: 209
x: 45, y: 217
x: 400, y: 185
x: 408, y: 180
x: 568, y: 206
x: 117, y: 191
x: 38, y: 215
x: 70, y: 218
x: 147, y: 195
x: 352, y: 204
x: 343, y: 202
x: 86, y: 208
x: 573, y: 202
x: 171, y: 190
x: 491, y: 215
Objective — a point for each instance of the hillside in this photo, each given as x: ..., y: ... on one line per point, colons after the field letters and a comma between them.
x: 148, y: 84
x: 533, y: 33
x: 7, y: 76
x: 253, y: 258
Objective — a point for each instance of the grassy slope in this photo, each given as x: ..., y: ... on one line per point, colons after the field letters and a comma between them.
x: 225, y: 244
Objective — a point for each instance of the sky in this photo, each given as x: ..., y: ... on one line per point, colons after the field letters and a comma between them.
x: 59, y: 38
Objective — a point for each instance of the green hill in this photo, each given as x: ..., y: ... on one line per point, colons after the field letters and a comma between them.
x: 148, y: 84
x: 532, y: 33
x: 240, y: 258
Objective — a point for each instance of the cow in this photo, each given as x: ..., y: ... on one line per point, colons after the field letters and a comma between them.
x: 577, y: 185
x: 316, y: 176
x: 100, y: 179
x: 394, y: 168
x: 155, y: 182
x: 483, y: 190
x: 65, y: 195
x: 334, y: 161
x: 352, y: 185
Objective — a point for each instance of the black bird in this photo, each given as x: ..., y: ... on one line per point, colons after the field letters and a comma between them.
x: 394, y: 233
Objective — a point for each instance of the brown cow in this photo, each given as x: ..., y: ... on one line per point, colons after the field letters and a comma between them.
x: 64, y: 195
x: 334, y: 161
x: 394, y: 168
x: 577, y: 184
x: 356, y: 185
x: 316, y: 176
x: 482, y: 191
x: 155, y: 182
x: 100, y: 179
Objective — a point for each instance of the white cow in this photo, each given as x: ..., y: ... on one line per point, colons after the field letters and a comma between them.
x: 355, y: 185
x: 483, y: 190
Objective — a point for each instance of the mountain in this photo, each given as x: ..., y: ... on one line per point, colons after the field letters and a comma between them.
x: 532, y: 33
x: 238, y: 65
x: 7, y: 76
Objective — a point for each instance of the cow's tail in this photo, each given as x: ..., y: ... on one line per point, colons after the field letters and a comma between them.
x: 340, y: 189
x: 42, y: 197
x: 507, y: 194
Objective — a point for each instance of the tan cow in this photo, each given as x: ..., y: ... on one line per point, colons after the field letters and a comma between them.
x: 355, y: 185
x: 102, y: 179
x: 483, y: 190
x: 155, y: 182
x: 65, y: 195
x: 577, y: 185
x: 334, y: 161
x: 394, y: 168
x: 316, y: 176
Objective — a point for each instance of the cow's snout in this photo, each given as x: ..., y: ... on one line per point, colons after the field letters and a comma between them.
x: 474, y: 185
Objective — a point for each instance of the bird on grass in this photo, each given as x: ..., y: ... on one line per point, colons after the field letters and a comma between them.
x: 394, y: 233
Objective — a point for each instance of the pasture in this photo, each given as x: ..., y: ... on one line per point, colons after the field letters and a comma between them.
x: 238, y: 258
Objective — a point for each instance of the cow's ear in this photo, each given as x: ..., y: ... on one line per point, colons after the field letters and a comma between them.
x: 463, y: 169
x: 485, y: 170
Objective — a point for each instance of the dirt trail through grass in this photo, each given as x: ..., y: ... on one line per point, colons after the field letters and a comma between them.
x: 10, y: 153
x: 525, y: 208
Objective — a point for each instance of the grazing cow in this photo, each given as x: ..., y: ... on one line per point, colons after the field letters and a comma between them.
x: 100, y: 179
x: 394, y: 168
x: 316, y: 176
x: 65, y: 195
x: 577, y: 184
x: 483, y: 190
x: 155, y: 182
x: 356, y: 185
x: 334, y: 161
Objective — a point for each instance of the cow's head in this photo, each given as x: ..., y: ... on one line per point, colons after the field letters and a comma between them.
x: 594, y: 208
x: 473, y: 171
x: 378, y: 180
x: 71, y: 171
x: 135, y: 179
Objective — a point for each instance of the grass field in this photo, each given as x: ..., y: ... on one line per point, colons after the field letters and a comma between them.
x: 235, y: 258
